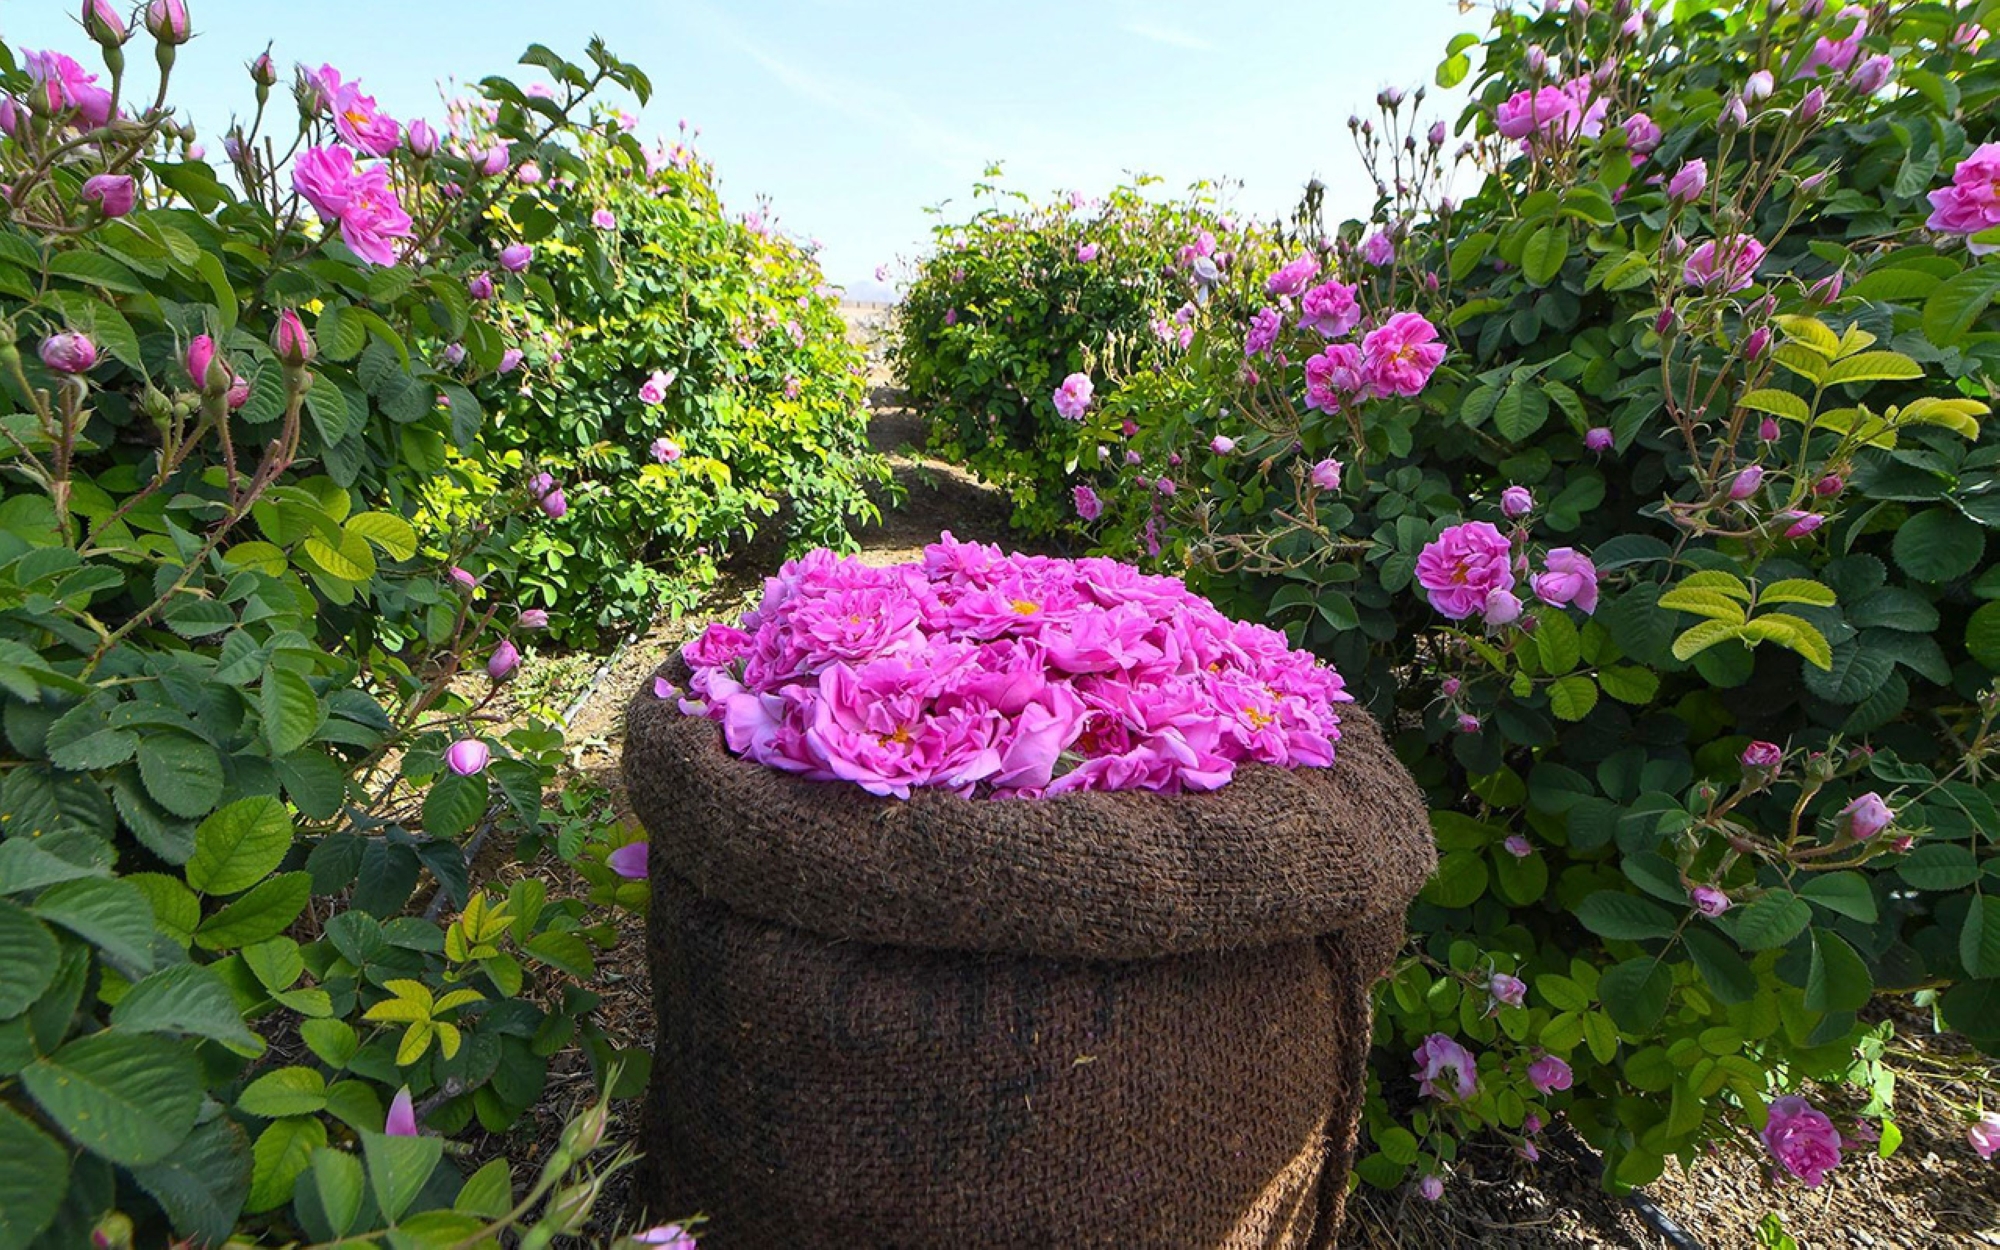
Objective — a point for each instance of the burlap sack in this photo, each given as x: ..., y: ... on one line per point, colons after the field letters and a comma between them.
x: 1097, y: 1020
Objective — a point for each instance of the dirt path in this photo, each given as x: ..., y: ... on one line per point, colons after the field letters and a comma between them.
x: 1934, y: 1193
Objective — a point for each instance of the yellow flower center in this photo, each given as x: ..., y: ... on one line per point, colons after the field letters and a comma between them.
x: 1026, y: 607
x: 1256, y: 718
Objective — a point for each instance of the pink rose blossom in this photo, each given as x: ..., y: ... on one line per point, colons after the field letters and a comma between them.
x: 1463, y: 565
x: 1292, y: 278
x: 467, y: 757
x: 1763, y: 756
x: 1599, y: 439
x: 1865, y: 817
x: 1984, y: 1135
x: 402, y: 1118
x: 1568, y: 577
x: 69, y: 352
x: 1440, y: 1057
x: 1326, y: 474
x: 1708, y: 900
x: 628, y: 861
x: 510, y: 360
x: 1642, y: 134
x: 1517, y: 846
x: 1335, y: 378
x: 1547, y: 114
x: 534, y: 618
x: 1378, y: 249
x: 1265, y: 324
x: 1549, y: 1074
x: 1799, y: 524
x: 666, y: 450
x: 505, y: 659
x: 517, y: 257
x: 1331, y: 309
x: 1400, y: 356
x: 1430, y: 1188
x: 1971, y: 203
x: 1506, y: 990
x: 113, y: 194
x: 1088, y: 506
x: 1222, y: 444
x: 1516, y: 502
x: 667, y: 1236
x: 1803, y: 1141
x: 1688, y: 182
x: 1728, y: 264
x: 603, y: 219
x: 1085, y: 253
x: 62, y: 86
x: 1072, y: 398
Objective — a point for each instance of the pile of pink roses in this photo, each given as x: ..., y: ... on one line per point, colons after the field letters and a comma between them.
x: 997, y: 675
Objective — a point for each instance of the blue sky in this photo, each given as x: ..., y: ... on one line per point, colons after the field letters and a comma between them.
x: 853, y: 115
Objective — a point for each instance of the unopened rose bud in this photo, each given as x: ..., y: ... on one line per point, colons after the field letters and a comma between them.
x: 423, y: 140
x: 505, y: 659
x: 534, y: 618
x: 103, y: 23
x: 1813, y: 105
x: 1537, y: 60
x: 290, y: 341
x: 1760, y: 86
x: 1759, y: 340
x: 168, y: 21
x: 1664, y: 322
x: 1734, y: 114
x: 1437, y: 134
x: 262, y: 71
x: 1745, y: 483
x: 1829, y: 486
x: 1767, y: 429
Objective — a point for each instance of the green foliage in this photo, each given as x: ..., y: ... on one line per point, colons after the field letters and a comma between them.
x: 1584, y: 767
x: 1006, y: 307
x: 236, y: 914
x: 763, y: 401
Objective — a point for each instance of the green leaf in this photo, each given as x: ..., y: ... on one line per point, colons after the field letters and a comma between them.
x: 34, y: 1176
x: 1772, y: 921
x: 266, y: 911
x: 1836, y: 979
x: 290, y: 709
x: 342, y: 1186
x: 1572, y: 698
x: 130, y: 1099
x: 398, y: 1168
x: 1543, y: 256
x: 1939, y: 545
x: 1939, y: 866
x: 1635, y: 993
x: 96, y: 269
x: 1613, y: 914
x: 283, y: 1150
x: 1460, y: 879
x: 110, y: 914
x: 1844, y: 892
x: 1628, y: 683
x: 1722, y: 970
x: 1957, y: 303
x: 182, y: 774
x: 1979, y: 939
x: 1522, y: 410
x: 328, y: 407
x: 334, y: 1042
x: 188, y: 998
x: 239, y: 846
x: 202, y: 1185
x: 283, y: 1092
x: 29, y: 957
x: 454, y: 804
x: 1982, y: 635
x: 571, y: 953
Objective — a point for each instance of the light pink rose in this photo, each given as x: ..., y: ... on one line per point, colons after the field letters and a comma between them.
x: 1463, y: 565
x: 1803, y: 1141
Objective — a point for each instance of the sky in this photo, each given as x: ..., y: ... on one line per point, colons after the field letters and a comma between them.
x: 853, y: 116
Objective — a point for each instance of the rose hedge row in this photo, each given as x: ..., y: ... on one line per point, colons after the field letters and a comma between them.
x: 265, y: 514
x: 1676, y: 575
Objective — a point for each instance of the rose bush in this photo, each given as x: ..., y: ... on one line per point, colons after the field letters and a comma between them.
x: 1673, y: 564
x: 684, y: 374
x: 242, y: 960
x: 1004, y: 323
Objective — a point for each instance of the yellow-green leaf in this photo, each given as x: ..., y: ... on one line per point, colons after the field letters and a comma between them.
x: 1874, y: 367
x: 1702, y: 637
x: 1798, y: 590
x: 386, y: 530
x: 1810, y: 332
x: 1710, y: 603
x: 1778, y: 403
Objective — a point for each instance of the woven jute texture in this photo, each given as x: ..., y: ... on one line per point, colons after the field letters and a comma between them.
x: 1096, y: 1020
